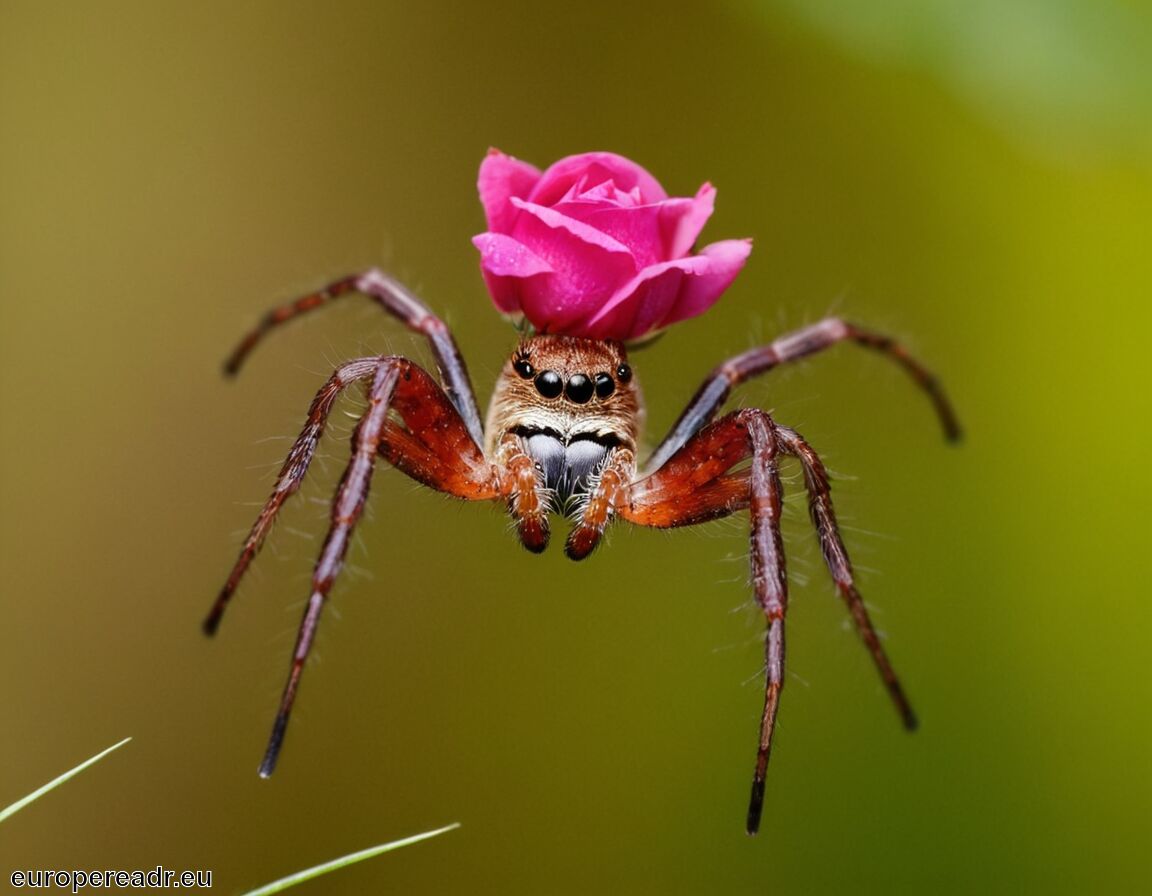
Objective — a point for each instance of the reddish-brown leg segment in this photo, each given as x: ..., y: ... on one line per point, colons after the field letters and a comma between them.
x: 695, y: 486
x: 435, y: 448
x: 714, y: 391
x: 528, y: 500
x: 611, y: 483
x: 291, y: 475
x: 401, y: 304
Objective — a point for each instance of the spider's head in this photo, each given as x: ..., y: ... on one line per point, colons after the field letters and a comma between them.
x: 569, y: 386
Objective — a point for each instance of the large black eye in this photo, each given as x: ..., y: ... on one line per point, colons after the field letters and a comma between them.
x: 522, y: 367
x: 624, y: 372
x: 579, y: 388
x: 549, y: 384
x: 605, y: 385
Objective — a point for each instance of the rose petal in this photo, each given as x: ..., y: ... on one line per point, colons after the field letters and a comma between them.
x: 641, y: 305
x: 505, y: 292
x: 501, y: 178
x: 640, y: 228
x: 557, y: 221
x: 702, y: 290
x: 668, y: 292
x: 504, y: 263
x: 603, y: 191
x: 595, y: 168
x: 685, y: 220
x: 586, y: 265
x: 656, y: 232
x: 506, y: 257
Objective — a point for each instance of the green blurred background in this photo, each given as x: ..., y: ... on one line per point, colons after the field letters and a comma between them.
x: 973, y: 178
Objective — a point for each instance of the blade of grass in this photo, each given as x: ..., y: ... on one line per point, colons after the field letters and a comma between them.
x: 308, y: 873
x: 56, y: 782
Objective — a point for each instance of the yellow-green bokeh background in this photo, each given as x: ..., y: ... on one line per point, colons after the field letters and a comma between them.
x: 975, y: 180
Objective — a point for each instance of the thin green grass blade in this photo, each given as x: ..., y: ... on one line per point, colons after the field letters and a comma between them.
x: 56, y: 782
x: 308, y: 873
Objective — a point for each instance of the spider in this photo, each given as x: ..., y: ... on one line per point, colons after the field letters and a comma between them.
x: 561, y: 437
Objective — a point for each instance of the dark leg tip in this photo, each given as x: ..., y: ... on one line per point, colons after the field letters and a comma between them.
x: 911, y: 723
x: 534, y: 535
x: 272, y: 753
x: 755, y: 806
x: 581, y: 543
x: 212, y: 621
x: 268, y: 765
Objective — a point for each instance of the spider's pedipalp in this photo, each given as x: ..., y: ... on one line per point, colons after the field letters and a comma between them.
x: 607, y: 487
x: 529, y: 500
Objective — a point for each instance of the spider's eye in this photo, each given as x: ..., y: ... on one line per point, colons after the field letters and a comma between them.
x: 624, y: 372
x: 579, y: 388
x: 522, y: 367
x: 605, y: 385
x: 549, y: 384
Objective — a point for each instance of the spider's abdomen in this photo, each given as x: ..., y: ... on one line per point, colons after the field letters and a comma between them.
x: 567, y: 467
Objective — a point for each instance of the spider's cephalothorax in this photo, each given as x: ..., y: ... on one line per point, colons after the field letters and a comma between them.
x: 572, y: 405
x: 561, y: 436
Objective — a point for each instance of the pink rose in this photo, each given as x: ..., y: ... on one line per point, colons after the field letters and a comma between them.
x: 594, y: 247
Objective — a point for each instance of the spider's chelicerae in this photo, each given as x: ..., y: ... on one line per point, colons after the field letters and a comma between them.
x: 562, y: 436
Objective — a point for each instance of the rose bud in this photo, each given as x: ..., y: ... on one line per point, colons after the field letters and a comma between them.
x: 594, y: 247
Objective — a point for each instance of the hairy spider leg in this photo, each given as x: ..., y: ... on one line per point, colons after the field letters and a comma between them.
x: 290, y: 477
x: 394, y: 298
x: 434, y: 446
x: 528, y: 498
x: 615, y: 475
x: 695, y: 486
x: 715, y: 389
x: 819, y: 488
x: 436, y: 449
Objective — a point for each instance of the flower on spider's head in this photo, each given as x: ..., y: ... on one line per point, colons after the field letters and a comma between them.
x: 594, y: 247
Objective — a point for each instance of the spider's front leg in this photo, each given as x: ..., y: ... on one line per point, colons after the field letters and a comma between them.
x: 716, y: 388
x: 434, y: 446
x: 397, y: 301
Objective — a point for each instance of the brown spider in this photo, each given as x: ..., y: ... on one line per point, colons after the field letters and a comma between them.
x: 561, y: 437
